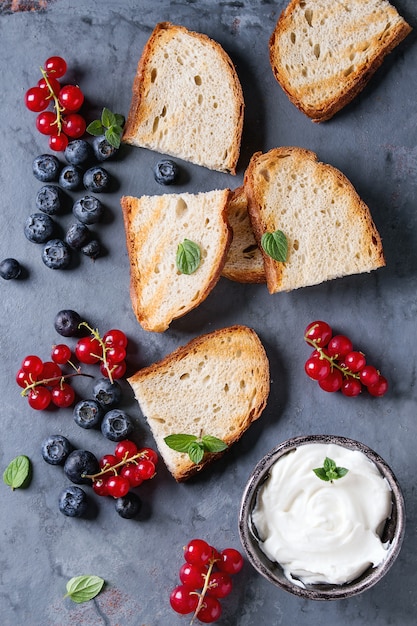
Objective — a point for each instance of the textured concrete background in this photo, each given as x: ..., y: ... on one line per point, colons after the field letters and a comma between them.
x: 373, y: 141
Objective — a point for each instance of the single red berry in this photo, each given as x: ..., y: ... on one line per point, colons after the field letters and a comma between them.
x: 116, y: 371
x: 210, y: 611
x: 220, y: 585
x: 198, y: 552
x: 62, y: 395
x: 24, y: 379
x: 51, y: 372
x: 379, y: 388
x: 39, y: 398
x: 125, y: 449
x: 46, y: 123
x: 355, y: 361
x: 369, y: 375
x: 130, y: 472
x: 339, y: 345
x: 231, y: 561
x: 71, y: 98
x: 317, y: 368
x: 149, y: 454
x: 332, y: 382
x: 88, y: 350
x: 115, y: 354
x: 183, y: 599
x: 55, y: 66
x: 351, y: 387
x: 145, y: 469
x: 32, y: 364
x: 61, y: 353
x: 117, y: 486
x: 74, y: 125
x: 319, y: 332
x: 36, y: 99
x: 115, y: 337
x: 193, y: 575
x: 58, y: 142
x: 100, y: 486
x: 55, y: 86
x: 107, y: 461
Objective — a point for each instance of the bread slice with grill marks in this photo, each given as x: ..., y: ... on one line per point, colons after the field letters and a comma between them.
x: 187, y: 100
x: 218, y: 384
x: 323, y: 52
x: 329, y: 229
x: 155, y: 226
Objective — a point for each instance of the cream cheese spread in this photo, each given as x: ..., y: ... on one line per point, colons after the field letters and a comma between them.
x: 318, y: 531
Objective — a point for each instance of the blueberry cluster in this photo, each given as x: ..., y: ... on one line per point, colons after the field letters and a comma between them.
x: 81, y: 173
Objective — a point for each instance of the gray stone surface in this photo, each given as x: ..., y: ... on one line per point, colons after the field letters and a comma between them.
x: 373, y: 141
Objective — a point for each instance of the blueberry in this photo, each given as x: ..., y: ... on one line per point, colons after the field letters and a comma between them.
x: 103, y: 150
x: 49, y: 199
x: 55, y: 449
x: 46, y: 168
x: 129, y: 505
x: 67, y: 323
x: 107, y: 393
x: 10, y: 269
x: 166, y: 172
x: 78, y: 152
x: 92, y: 249
x: 56, y: 254
x: 96, y: 179
x: 88, y: 413
x: 116, y: 425
x: 77, y: 235
x: 39, y: 228
x: 88, y: 209
x: 71, y: 178
x: 80, y: 463
x: 73, y: 501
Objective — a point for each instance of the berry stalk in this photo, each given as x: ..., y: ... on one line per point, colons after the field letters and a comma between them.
x: 203, y: 592
x: 104, y: 349
x: 52, y: 381
x: 57, y: 106
x: 107, y: 468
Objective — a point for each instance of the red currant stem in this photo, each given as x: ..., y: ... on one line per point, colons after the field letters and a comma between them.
x: 332, y: 360
x: 57, y: 106
x: 203, y: 592
x: 103, y: 346
x: 107, y: 468
x: 46, y: 381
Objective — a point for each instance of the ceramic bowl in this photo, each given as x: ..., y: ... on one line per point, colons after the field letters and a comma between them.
x: 393, y: 531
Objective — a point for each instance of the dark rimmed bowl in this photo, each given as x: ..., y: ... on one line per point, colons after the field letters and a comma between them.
x: 393, y: 531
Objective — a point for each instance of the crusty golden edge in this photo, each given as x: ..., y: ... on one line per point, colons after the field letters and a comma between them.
x: 142, y: 80
x: 188, y: 468
x: 274, y: 270
x: 355, y: 82
x: 129, y: 204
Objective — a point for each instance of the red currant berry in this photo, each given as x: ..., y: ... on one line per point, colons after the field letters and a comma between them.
x: 379, y: 388
x: 51, y: 372
x: 24, y: 379
x: 74, y: 125
x: 88, y: 350
x: 100, y: 486
x: 115, y: 354
x: 117, y: 371
x: 197, y: 552
x: 231, y: 561
x: 355, y: 361
x: 58, y: 142
x: 149, y: 454
x: 46, y: 123
x: 61, y: 353
x: 55, y: 86
x: 369, y: 375
x: 317, y: 368
x: 220, y: 585
x: 319, y: 332
x: 351, y: 387
x: 332, y: 382
x: 62, y: 395
x: 32, y: 364
x: 338, y: 346
x: 71, y: 98
x: 125, y: 449
x: 130, y: 472
x: 39, y: 398
x: 210, y: 611
x: 117, y: 486
x: 36, y: 99
x: 107, y: 461
x: 145, y: 469
x: 183, y: 600
x: 192, y: 575
x: 115, y: 338
x: 55, y: 66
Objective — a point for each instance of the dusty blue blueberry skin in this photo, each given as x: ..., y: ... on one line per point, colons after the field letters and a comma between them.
x: 116, y: 425
x: 39, y: 228
x: 107, y: 394
x: 80, y: 463
x: 166, y: 172
x: 73, y: 501
x: 71, y: 178
x: 96, y: 179
x: 55, y: 449
x: 88, y: 413
x: 49, y: 199
x: 78, y: 152
x: 46, y: 168
x: 10, y: 269
x: 77, y: 235
x: 66, y: 323
x: 88, y: 210
x: 92, y: 249
x: 129, y: 505
x: 103, y: 150
x: 56, y: 254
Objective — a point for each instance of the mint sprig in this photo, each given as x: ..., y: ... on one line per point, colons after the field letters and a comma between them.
x: 195, y: 446
x: 110, y: 125
x: 330, y: 472
x: 83, y: 588
x: 275, y: 245
x: 18, y: 472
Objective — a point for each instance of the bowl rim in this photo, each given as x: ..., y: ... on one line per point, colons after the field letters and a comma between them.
x: 319, y: 592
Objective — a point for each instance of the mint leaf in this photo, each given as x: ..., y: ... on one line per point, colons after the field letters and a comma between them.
x: 196, y: 451
x: 95, y: 128
x: 319, y: 471
x: 188, y: 257
x: 113, y: 136
x: 330, y: 472
x: 83, y: 588
x: 17, y: 473
x: 120, y: 119
x: 180, y: 443
x: 275, y: 245
x: 108, y: 118
x: 213, y: 444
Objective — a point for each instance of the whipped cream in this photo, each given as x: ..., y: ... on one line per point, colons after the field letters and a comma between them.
x: 318, y: 531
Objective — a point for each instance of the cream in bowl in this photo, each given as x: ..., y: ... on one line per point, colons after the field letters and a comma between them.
x: 322, y: 516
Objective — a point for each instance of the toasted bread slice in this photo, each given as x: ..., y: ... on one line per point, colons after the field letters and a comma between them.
x: 323, y: 52
x: 155, y: 226
x: 329, y: 229
x: 187, y: 100
x: 244, y: 262
x: 217, y: 385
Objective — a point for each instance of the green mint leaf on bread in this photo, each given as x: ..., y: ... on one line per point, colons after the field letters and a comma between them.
x: 330, y: 472
x: 83, y: 588
x: 17, y: 473
x: 275, y: 245
x: 110, y: 125
x: 195, y: 446
x: 188, y: 257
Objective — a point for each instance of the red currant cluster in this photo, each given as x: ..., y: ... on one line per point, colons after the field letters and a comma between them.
x: 64, y: 120
x: 206, y: 578
x: 109, y: 350
x: 337, y: 366
x: 127, y: 468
